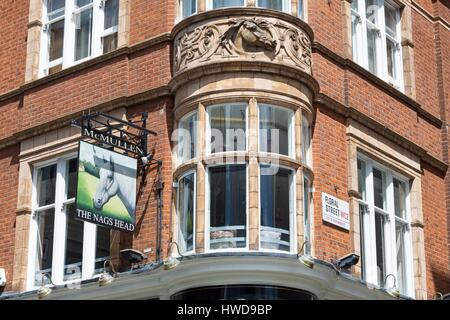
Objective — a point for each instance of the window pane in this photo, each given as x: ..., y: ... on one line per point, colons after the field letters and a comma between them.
x: 228, y: 206
x: 271, y: 4
x: 102, y: 249
x: 379, y: 234
x: 306, y: 142
x: 362, y: 179
x: 307, y: 197
x: 111, y: 14
x: 83, y: 36
x: 72, y: 170
x: 400, y: 199
x: 188, y: 137
x: 355, y: 39
x: 400, y: 251
x: 55, y: 8
x: 355, y: 5
x: 372, y: 49
x: 379, y: 188
x: 227, y: 3
x: 391, y: 20
x: 371, y: 10
x: 274, y: 129
x: 275, y: 210
x: 300, y: 9
x: 189, y: 7
x: 44, y: 249
x: 56, y: 38
x: 227, y: 128
x: 82, y: 3
x: 110, y: 43
x: 364, y: 233
x: 46, y: 184
x: 390, y: 53
x: 74, y: 246
x: 186, y: 213
x: 242, y: 292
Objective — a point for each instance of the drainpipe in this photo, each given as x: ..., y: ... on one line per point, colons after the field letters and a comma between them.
x: 159, y: 188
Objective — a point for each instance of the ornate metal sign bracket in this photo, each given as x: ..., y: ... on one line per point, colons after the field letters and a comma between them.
x: 116, y: 132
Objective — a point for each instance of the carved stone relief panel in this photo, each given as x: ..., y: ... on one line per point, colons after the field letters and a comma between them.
x: 242, y: 38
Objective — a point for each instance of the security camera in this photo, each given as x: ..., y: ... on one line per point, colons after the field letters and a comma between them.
x: 132, y: 255
x: 146, y: 159
x: 347, y: 261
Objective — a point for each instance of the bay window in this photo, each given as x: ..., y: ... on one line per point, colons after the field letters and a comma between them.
x: 307, y: 210
x: 300, y: 9
x: 187, y: 8
x: 227, y: 207
x: 227, y: 128
x: 276, y: 130
x: 306, y: 142
x: 187, y: 137
x: 217, y: 4
x: 77, y: 30
x: 277, y: 209
x: 385, y: 226
x: 250, y: 198
x: 186, y: 212
x: 280, y: 5
x: 64, y: 248
x: 376, y: 39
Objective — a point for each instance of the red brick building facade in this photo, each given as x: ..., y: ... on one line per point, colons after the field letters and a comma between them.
x: 373, y: 93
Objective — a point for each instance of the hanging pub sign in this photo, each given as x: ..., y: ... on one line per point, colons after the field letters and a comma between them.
x: 106, y: 188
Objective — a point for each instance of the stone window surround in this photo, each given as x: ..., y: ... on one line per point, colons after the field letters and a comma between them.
x: 365, y: 141
x: 34, y: 150
x: 60, y: 232
x: 253, y: 159
x: 407, y: 44
x: 202, y: 7
x: 35, y: 25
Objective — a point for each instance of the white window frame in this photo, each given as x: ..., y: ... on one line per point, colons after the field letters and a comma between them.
x: 182, y: 119
x: 194, y: 220
x: 286, y: 6
x: 180, y: 10
x: 302, y: 10
x: 292, y: 209
x: 308, y: 223
x: 291, y: 150
x: 208, y: 212
x: 208, y: 128
x: 59, y: 236
x: 45, y: 39
x: 105, y: 32
x: 369, y: 258
x: 308, y: 159
x: 68, y: 57
x: 359, y: 41
x: 209, y: 5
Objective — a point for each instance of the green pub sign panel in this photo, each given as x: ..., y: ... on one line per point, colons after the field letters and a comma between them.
x: 106, y: 188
